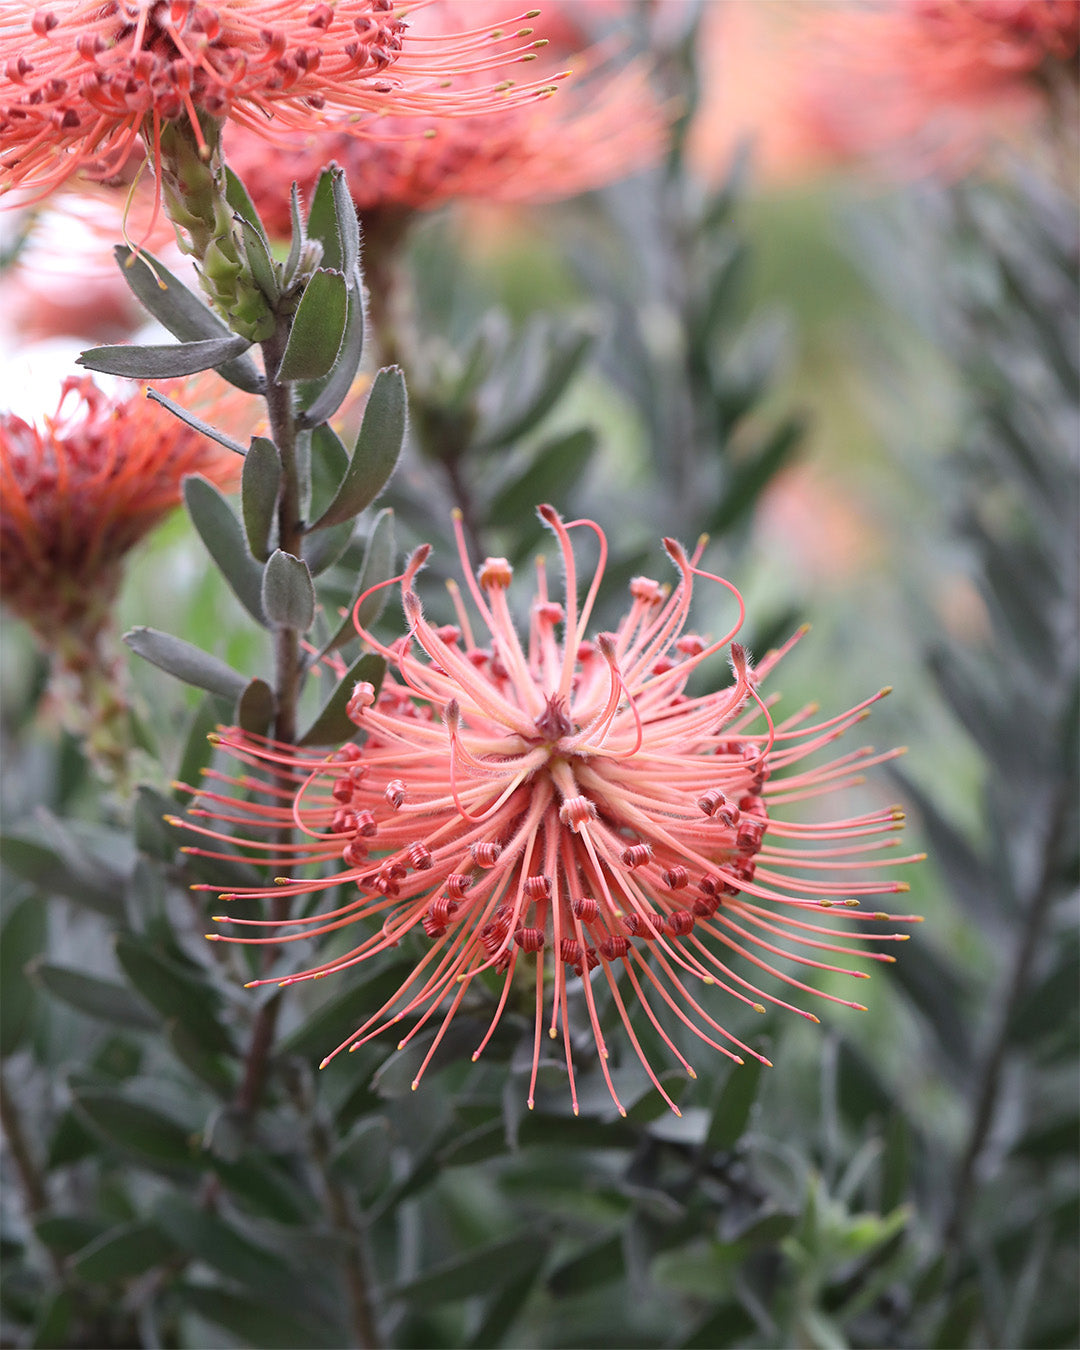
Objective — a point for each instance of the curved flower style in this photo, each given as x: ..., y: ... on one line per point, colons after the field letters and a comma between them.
x: 566, y: 808
x: 78, y: 492
x: 83, y: 80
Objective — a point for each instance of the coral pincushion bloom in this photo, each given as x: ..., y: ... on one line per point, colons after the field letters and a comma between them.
x: 78, y: 492
x: 563, y: 812
x: 84, y: 79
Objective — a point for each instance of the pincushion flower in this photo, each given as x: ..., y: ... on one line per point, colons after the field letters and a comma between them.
x: 605, y: 123
x: 84, y: 80
x: 563, y: 811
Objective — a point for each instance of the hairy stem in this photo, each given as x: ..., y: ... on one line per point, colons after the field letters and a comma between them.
x: 287, y: 677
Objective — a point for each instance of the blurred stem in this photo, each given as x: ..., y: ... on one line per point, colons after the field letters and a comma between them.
x: 989, y: 1083
x: 30, y: 1179
x: 287, y: 676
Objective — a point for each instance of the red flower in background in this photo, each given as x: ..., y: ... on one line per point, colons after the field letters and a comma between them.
x: 565, y: 811
x: 84, y: 80
x: 78, y: 492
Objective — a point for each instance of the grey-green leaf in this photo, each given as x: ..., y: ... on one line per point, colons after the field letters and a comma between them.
x: 259, y: 486
x: 288, y: 595
x: 172, y: 991
x: 22, y: 938
x: 220, y: 531
x: 377, y: 450
x: 259, y: 261
x: 347, y: 224
x: 186, y: 662
x: 97, y: 998
x: 561, y: 366
x: 332, y: 723
x: 196, y: 423
x: 125, y: 1251
x: 255, y: 709
x: 320, y: 399
x: 378, y: 566
x: 162, y: 362
x: 182, y: 312
x: 322, y: 221
x: 318, y: 327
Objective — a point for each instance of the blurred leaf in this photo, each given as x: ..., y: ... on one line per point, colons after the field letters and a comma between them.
x: 253, y: 1323
x: 158, y: 362
x: 255, y: 708
x: 223, y: 537
x: 751, y: 476
x: 332, y: 724
x: 196, y: 423
x: 182, y: 312
x: 324, y: 548
x: 895, y: 1161
x: 173, y: 992
x: 967, y: 875
x: 198, y: 751
x: 213, y: 1070
x: 93, y: 996
x: 23, y: 936
x: 554, y: 469
x: 186, y: 662
x: 61, y: 864
x: 134, y: 1127
x: 732, y: 1106
x: 68, y: 1233
x: 474, y: 1273
x: 956, y: 1326
x: 70, y: 1142
x: 261, y: 1186
x: 259, y: 495
x: 288, y: 596
x: 317, y: 329
x: 377, y: 449
x: 378, y: 566
x: 123, y: 1252
x: 563, y: 356
x: 729, y: 1325
x: 593, y: 1268
x: 506, y: 1306
x: 320, y: 399
x: 1051, y: 1002
x: 52, y: 1328
x: 335, y: 1019
x: 208, y: 1238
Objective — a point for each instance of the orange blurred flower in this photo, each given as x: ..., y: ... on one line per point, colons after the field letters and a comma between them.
x: 84, y: 80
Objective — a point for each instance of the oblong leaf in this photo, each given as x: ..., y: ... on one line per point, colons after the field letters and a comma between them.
x: 322, y: 221
x: 97, y: 998
x: 332, y: 723
x: 134, y: 1127
x: 378, y: 566
x: 348, y: 227
x: 256, y: 707
x: 196, y: 423
x: 378, y: 447
x: 223, y: 536
x: 172, y: 991
x: 288, y: 596
x: 21, y: 939
x: 260, y: 263
x: 125, y: 1251
x: 320, y: 399
x: 259, y: 484
x: 559, y: 369
x: 186, y: 662
x: 182, y: 312
x: 159, y: 362
x: 317, y: 328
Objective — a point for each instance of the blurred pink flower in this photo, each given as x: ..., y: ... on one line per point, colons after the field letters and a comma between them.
x: 565, y: 809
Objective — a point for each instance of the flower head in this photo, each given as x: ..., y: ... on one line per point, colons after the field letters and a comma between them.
x: 564, y: 811
x: 605, y: 124
x: 83, y: 80
x: 78, y: 492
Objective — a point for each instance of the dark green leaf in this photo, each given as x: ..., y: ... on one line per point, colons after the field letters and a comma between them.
x: 751, y: 476
x: 133, y: 1127
x: 22, y: 938
x: 324, y: 548
x: 506, y: 1306
x: 59, y: 863
x: 331, y: 1023
x: 208, y: 1238
x: 732, y: 1105
x: 102, y: 999
x: 600, y: 1264
x: 121, y: 1253
x: 160, y: 362
x: 332, y: 723
x: 554, y: 469
x: 70, y: 1142
x: 255, y: 709
x: 378, y: 566
x: 377, y: 450
x: 463, y: 1276
x: 318, y: 327
x: 236, y: 194
x: 67, y: 1233
x: 186, y: 662
x: 220, y: 531
x: 320, y: 399
x: 52, y: 1328
x: 559, y: 367
x: 252, y: 1322
x: 262, y: 1187
x: 196, y: 423
x: 288, y: 597
x: 729, y: 1325
x: 198, y: 750
x: 259, y: 486
x: 173, y: 991
x: 182, y: 312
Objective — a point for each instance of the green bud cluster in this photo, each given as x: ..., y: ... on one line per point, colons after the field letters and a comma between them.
x: 193, y: 185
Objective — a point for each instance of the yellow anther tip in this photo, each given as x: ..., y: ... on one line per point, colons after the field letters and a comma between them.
x: 690, y: 1073
x: 758, y: 1007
